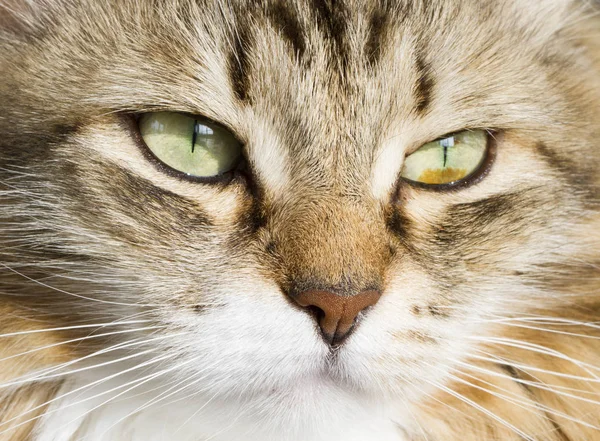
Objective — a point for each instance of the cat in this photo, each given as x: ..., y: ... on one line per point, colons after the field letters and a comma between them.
x: 357, y: 220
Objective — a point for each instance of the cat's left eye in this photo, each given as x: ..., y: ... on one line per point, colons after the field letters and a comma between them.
x: 447, y: 161
x: 194, y: 146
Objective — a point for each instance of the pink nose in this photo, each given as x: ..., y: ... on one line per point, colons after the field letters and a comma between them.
x: 336, y: 314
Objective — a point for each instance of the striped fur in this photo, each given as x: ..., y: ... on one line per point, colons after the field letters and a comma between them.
x: 139, y: 306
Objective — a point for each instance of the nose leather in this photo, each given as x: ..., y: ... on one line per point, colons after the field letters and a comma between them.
x: 337, y: 312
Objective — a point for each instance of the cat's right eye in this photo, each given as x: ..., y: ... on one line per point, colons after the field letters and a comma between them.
x: 194, y: 146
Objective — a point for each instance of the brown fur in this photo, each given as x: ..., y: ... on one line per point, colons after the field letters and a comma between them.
x: 91, y: 232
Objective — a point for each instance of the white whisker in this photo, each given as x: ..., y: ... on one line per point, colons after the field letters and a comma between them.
x: 527, y: 368
x: 70, y: 328
x: 526, y: 405
x: 91, y: 299
x: 538, y: 349
x: 80, y: 339
x: 45, y: 374
x: 139, y: 381
x: 82, y: 388
x: 481, y: 409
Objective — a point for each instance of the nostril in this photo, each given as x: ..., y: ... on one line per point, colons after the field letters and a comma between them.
x: 336, y: 314
x: 315, y: 311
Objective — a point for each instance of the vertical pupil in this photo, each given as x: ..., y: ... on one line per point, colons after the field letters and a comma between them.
x: 204, y: 131
x: 194, y: 135
x: 446, y: 143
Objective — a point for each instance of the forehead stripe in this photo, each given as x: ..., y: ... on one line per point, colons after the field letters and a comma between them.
x: 332, y: 18
x: 239, y: 64
x: 285, y: 20
x: 378, y: 27
x: 425, y: 84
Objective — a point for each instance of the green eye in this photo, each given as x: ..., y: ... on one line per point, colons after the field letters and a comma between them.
x: 194, y: 146
x: 449, y: 160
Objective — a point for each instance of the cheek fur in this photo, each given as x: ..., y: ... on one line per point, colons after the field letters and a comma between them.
x: 137, y: 305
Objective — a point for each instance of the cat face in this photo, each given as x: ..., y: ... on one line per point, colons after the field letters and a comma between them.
x: 206, y: 280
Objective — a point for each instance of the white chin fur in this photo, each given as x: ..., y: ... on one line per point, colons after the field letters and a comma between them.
x: 270, y: 379
x: 311, y: 412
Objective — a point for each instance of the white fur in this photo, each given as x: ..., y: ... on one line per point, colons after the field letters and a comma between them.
x: 202, y: 419
x: 272, y: 380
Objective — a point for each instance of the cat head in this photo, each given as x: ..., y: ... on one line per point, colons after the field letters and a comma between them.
x: 314, y: 263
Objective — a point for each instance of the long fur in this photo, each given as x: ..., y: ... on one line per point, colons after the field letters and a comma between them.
x: 136, y: 305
